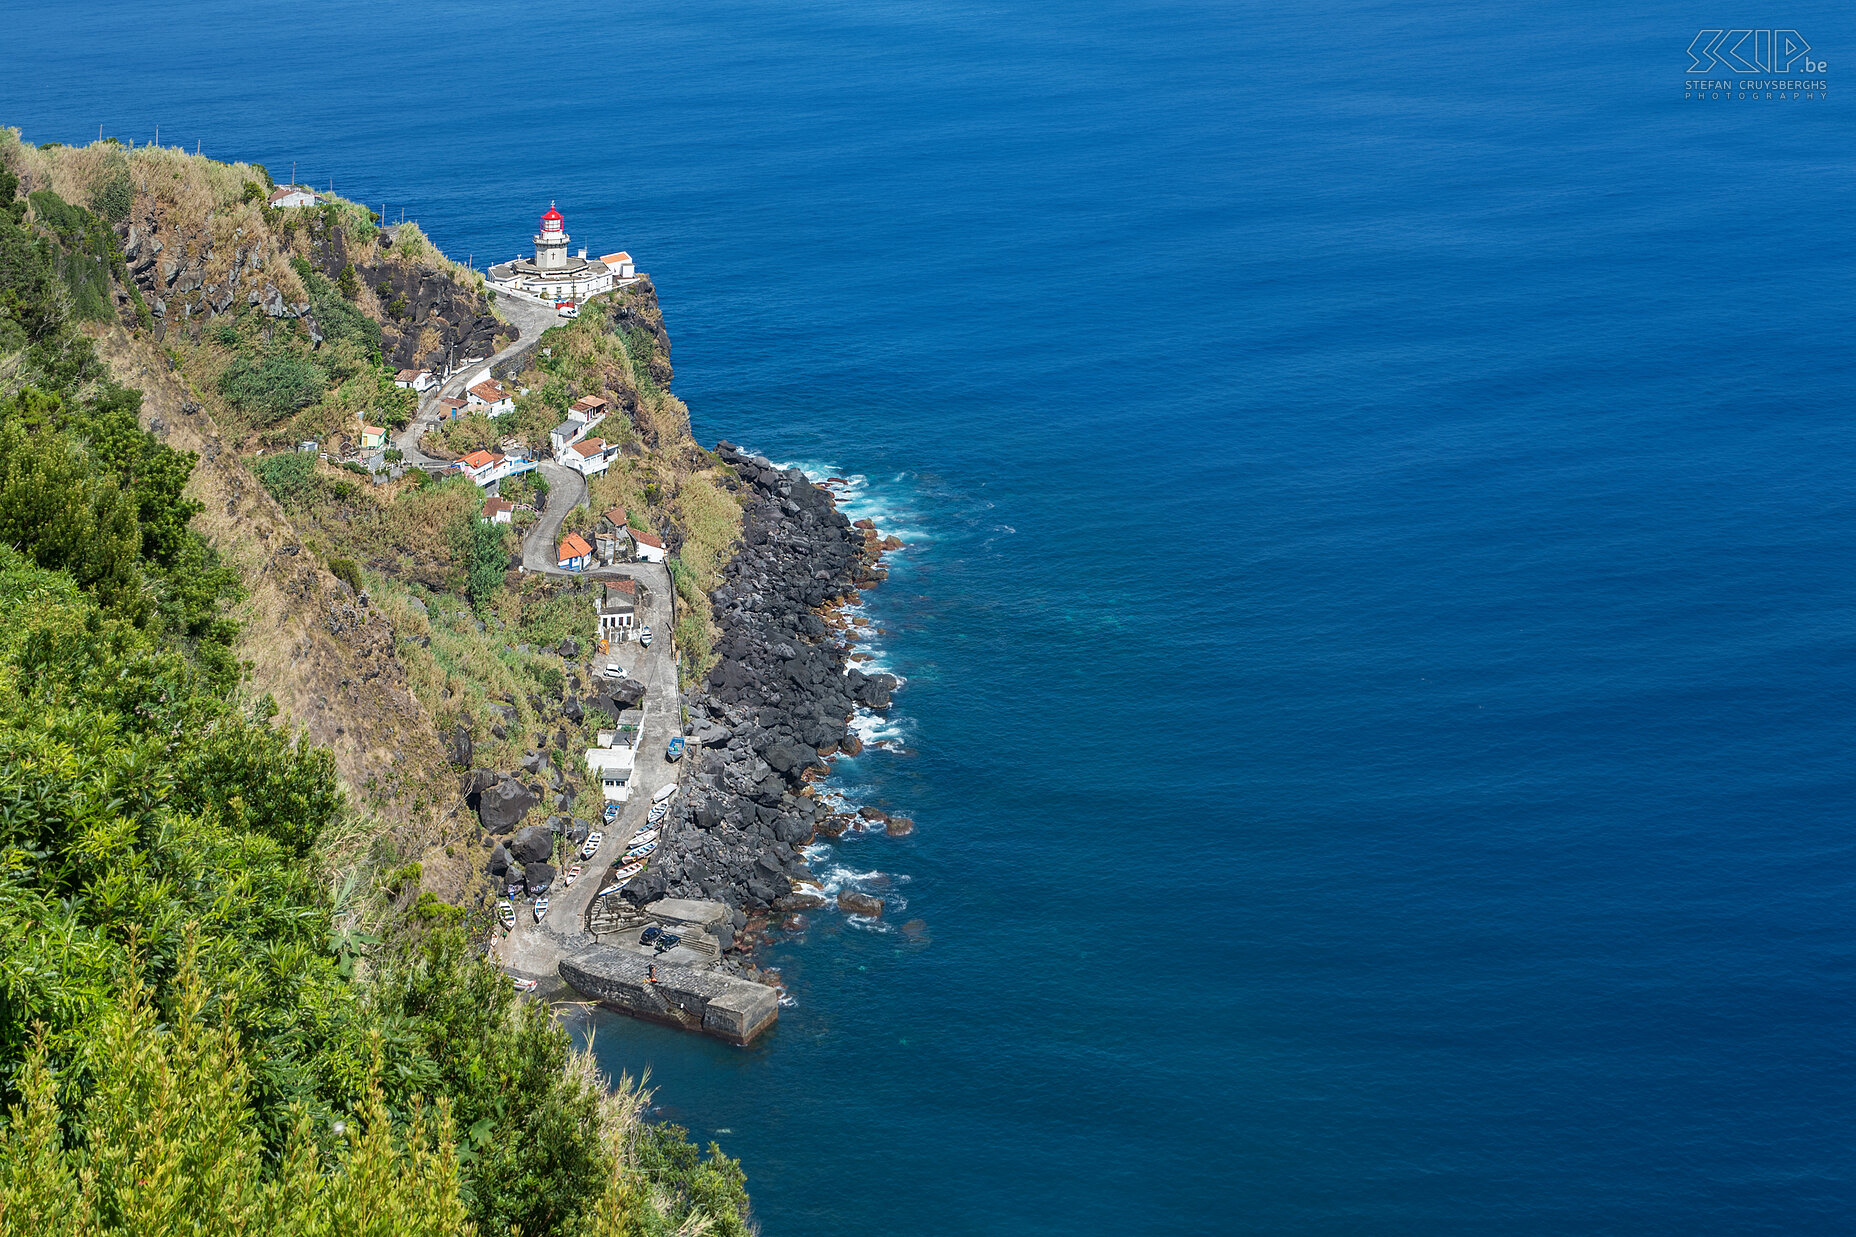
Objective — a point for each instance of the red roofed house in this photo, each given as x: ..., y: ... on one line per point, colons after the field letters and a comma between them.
x: 617, y: 609
x: 373, y: 437
x: 484, y: 467
x: 291, y: 196
x: 490, y: 396
x: 588, y: 408
x: 620, y: 264
x: 575, y: 554
x: 415, y: 380
x: 498, y: 510
x: 589, y: 457
x: 650, y: 546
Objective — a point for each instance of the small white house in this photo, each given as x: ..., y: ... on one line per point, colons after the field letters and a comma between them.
x: 420, y: 380
x: 612, y: 763
x: 490, y: 396
x: 498, y: 510
x: 486, y: 468
x: 589, y: 409
x: 617, y: 609
x: 649, y: 546
x: 289, y: 197
x: 620, y: 264
x: 588, y: 457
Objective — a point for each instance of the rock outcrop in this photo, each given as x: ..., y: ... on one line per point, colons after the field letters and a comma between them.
x: 779, y: 698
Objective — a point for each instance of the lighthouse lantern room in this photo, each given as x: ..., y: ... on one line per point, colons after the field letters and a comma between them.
x: 551, y: 241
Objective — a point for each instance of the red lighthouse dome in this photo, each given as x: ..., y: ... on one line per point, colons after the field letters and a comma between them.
x: 552, y: 221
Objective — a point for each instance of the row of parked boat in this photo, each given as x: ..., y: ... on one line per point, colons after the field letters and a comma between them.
x: 638, y: 850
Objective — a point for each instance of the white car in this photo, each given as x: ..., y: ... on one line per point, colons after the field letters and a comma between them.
x: 568, y: 310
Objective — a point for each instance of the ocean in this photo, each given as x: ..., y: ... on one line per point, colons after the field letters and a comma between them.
x: 1377, y: 612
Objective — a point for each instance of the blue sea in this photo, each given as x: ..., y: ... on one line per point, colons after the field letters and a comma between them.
x: 1379, y: 610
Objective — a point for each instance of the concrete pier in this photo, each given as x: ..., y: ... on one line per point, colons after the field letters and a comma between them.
x: 695, y: 999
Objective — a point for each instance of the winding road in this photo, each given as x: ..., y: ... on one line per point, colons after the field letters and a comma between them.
x: 531, y: 319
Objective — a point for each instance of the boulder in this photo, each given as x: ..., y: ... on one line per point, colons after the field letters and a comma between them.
x: 899, y: 826
x: 462, y: 749
x: 572, y: 710
x: 860, y: 904
x: 503, y: 805
x: 538, y: 876
x: 499, y: 861
x: 533, y: 844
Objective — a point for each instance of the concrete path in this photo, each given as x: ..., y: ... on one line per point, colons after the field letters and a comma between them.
x: 536, y: 949
x: 542, y: 542
x: 530, y: 319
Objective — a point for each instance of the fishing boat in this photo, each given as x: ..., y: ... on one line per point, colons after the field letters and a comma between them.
x: 644, y: 636
x: 641, y: 837
x: 611, y: 813
x: 664, y: 794
x: 523, y: 985
x: 674, y: 752
x: 507, y: 913
x: 657, y: 813
x: 592, y: 844
x: 629, y: 870
x: 541, y: 909
x: 573, y: 874
x: 613, y: 888
x: 638, y: 852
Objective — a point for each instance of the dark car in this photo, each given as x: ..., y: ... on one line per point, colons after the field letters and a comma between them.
x: 650, y: 934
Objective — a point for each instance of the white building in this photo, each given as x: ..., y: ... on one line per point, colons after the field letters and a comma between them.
x: 617, y: 610
x: 555, y: 275
x: 420, y: 380
x: 612, y: 762
x: 589, y: 457
x: 620, y: 264
x: 488, y: 467
x: 490, y: 396
x: 498, y: 510
x: 289, y: 197
x: 649, y: 546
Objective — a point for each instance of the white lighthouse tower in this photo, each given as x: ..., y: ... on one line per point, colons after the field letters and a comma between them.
x: 551, y: 241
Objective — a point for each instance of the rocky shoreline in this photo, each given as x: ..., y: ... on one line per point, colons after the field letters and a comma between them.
x: 776, y: 706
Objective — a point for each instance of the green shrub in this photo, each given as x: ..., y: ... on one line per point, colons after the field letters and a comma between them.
x: 271, y: 388
x: 345, y: 570
x: 290, y: 476
x: 224, y: 334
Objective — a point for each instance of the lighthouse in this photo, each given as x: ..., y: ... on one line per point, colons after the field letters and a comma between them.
x: 556, y: 276
x: 551, y: 241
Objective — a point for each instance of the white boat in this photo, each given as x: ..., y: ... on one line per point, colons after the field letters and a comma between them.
x: 541, y: 909
x: 506, y: 913
x: 629, y: 870
x: 664, y: 794
x: 613, y: 888
x: 573, y: 874
x: 638, y: 852
x: 592, y: 845
x: 523, y: 985
x: 644, y: 636
x: 657, y: 813
x: 641, y: 837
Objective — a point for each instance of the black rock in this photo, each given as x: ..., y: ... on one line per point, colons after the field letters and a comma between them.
x: 461, y: 747
x: 533, y: 844
x: 504, y: 805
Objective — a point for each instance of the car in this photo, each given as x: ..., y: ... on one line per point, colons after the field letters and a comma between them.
x: 567, y: 309
x: 668, y: 941
x: 650, y: 934
x: 675, y: 751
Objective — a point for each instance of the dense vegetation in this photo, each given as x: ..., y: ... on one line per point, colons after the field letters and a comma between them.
x: 206, y: 1023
